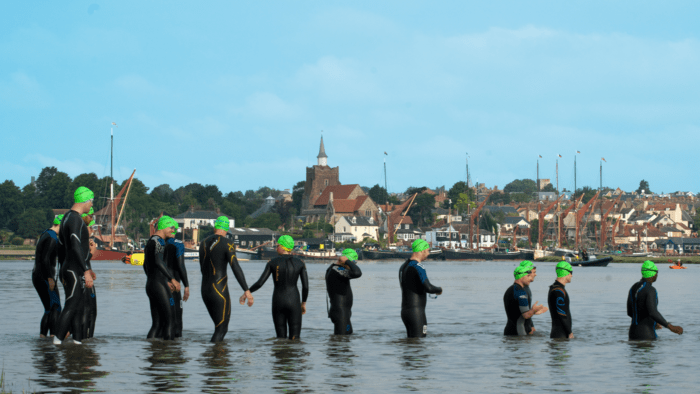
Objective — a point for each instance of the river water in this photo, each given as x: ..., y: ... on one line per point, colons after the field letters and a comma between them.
x: 465, y: 350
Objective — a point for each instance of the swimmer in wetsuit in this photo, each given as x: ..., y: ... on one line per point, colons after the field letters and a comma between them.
x: 44, y: 277
x: 558, y: 301
x: 160, y: 283
x: 516, y: 301
x: 286, y: 270
x: 86, y: 322
x: 75, y: 272
x: 175, y: 258
x: 414, y: 288
x: 338, y: 277
x: 215, y: 253
x: 642, y: 301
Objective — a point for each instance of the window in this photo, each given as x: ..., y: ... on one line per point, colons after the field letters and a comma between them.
x: 243, y: 243
x: 326, y: 182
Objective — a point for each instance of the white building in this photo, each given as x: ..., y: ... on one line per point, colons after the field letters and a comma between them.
x: 356, y: 229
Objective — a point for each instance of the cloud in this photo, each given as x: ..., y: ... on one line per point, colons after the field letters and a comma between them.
x: 20, y: 90
x: 339, y: 80
x: 267, y: 105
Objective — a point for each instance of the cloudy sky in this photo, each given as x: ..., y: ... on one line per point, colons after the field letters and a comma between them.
x: 237, y: 94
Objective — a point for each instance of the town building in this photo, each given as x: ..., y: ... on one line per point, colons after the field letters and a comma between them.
x: 247, y: 238
x: 356, y: 229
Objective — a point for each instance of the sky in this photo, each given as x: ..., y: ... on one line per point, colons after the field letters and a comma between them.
x: 238, y: 94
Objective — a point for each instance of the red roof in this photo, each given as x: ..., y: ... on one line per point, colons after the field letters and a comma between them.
x: 344, y: 206
x: 340, y: 192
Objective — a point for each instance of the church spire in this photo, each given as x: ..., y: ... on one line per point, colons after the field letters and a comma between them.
x: 322, y: 157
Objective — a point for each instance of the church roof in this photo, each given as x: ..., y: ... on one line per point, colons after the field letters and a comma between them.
x: 322, y: 150
x: 340, y: 192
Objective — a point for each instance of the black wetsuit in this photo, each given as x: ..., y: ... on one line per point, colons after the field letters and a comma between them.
x: 286, y: 305
x: 517, y: 301
x: 175, y: 257
x: 75, y: 239
x: 641, y: 307
x: 340, y: 295
x: 558, y: 300
x: 45, y: 268
x: 87, y: 321
x: 414, y: 288
x: 215, y: 253
x: 159, y: 295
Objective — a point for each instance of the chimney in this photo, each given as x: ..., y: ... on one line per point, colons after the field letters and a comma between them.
x: 330, y: 198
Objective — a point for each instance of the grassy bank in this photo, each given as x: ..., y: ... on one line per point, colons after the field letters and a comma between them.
x: 639, y: 260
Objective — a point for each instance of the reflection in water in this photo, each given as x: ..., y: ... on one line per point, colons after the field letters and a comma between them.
x: 341, y: 359
x: 76, y: 373
x: 416, y: 361
x: 518, y: 350
x: 217, y: 366
x: 289, y: 365
x: 559, y: 356
x: 165, y: 372
x: 643, y: 359
x: 45, y: 359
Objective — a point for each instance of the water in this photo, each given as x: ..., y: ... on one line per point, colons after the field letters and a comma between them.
x: 465, y: 350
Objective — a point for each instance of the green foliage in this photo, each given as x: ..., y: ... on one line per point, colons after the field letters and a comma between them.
x: 464, y: 202
x: 378, y: 194
x: 308, y: 233
x: 269, y: 220
x: 204, y: 232
x: 696, y: 220
x: 17, y: 241
x: 394, y: 200
x: 286, y: 211
x: 412, y: 190
x: 527, y: 186
x: 643, y: 185
x: 11, y: 204
x: 496, y: 198
x: 534, y: 229
x: 549, y: 188
x: 488, y: 222
x: 421, y: 210
x: 520, y: 197
x: 587, y: 192
x: 54, y: 188
x: 298, y: 195
x: 33, y: 221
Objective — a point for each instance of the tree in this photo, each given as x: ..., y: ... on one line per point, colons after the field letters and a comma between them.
x: 488, y: 222
x: 496, y: 198
x: 643, y: 187
x: 378, y: 194
x: 269, y: 220
x: 11, y: 204
x: 527, y: 186
x: 549, y: 188
x: 298, y: 195
x: 394, y: 200
x: 421, y: 210
x: 163, y: 193
x: 33, y: 221
x: 464, y: 202
x: 587, y: 192
x: 54, y: 188
x: 285, y: 210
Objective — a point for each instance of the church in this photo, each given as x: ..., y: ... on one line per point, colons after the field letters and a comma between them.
x: 326, y: 199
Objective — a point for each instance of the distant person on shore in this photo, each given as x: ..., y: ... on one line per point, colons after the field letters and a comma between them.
x: 415, y: 286
x: 641, y: 307
x: 287, y: 306
x: 338, y: 277
x: 558, y: 301
x: 215, y: 252
x: 175, y: 258
x: 160, y: 284
x: 75, y: 272
x: 517, y: 301
x: 44, y: 277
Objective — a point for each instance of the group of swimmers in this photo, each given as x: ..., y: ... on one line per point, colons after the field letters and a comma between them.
x: 68, y: 242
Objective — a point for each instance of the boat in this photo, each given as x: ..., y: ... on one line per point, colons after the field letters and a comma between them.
x: 379, y: 254
x: 602, y: 262
x: 435, y: 254
x: 247, y: 254
x: 676, y: 267
x: 326, y: 257
x: 456, y: 254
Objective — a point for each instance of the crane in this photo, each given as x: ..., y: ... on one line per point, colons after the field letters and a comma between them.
x: 579, y: 216
x: 563, y: 216
x: 604, y: 225
x: 541, y: 216
x: 474, y: 215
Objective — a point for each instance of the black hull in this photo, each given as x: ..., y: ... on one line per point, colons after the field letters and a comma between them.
x: 267, y: 255
x: 432, y: 256
x: 465, y: 255
x: 379, y: 255
x: 593, y: 263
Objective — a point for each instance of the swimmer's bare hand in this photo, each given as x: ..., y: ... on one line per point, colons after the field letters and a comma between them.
x: 248, y: 295
x: 52, y: 284
x: 659, y: 326
x: 242, y: 299
x: 675, y: 329
x: 341, y: 261
x: 175, y: 285
x: 439, y: 292
x: 92, y: 273
x: 187, y: 294
x: 88, y: 280
x: 539, y: 309
x: 303, y: 308
x: 571, y: 336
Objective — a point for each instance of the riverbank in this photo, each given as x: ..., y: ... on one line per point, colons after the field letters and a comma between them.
x: 634, y: 260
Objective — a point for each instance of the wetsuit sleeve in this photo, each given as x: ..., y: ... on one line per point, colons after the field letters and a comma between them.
x: 160, y: 262
x: 202, y: 255
x: 562, y: 303
x: 304, y: 284
x: 651, y: 301
x: 429, y: 288
x: 263, y: 278
x: 630, y: 304
x: 523, y: 302
x: 180, y: 263
x: 354, y: 271
x: 236, y: 268
x: 76, y: 250
x: 46, y: 268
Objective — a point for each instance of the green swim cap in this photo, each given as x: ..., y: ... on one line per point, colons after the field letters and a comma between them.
x: 520, y: 272
x: 83, y: 194
x: 286, y: 242
x: 221, y: 223
x: 527, y: 264
x: 649, y: 269
x: 563, y: 269
x: 57, y: 219
x: 420, y: 245
x: 92, y: 223
x: 165, y: 222
x: 92, y: 211
x: 350, y: 254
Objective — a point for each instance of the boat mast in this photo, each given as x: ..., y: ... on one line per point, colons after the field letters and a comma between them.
x: 558, y: 206
x: 112, y: 210
x: 386, y: 188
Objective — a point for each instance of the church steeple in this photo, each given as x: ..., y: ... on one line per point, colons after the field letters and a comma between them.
x: 322, y: 158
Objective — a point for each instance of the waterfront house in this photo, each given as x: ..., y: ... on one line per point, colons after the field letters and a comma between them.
x: 251, y: 237
x: 356, y: 228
